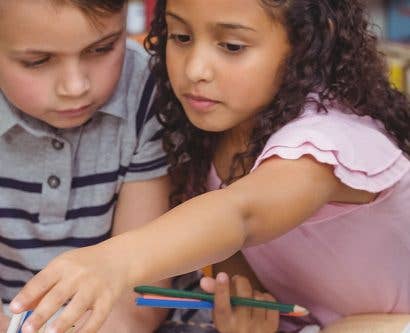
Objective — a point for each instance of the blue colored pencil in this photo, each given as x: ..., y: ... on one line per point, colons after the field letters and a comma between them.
x: 175, y: 304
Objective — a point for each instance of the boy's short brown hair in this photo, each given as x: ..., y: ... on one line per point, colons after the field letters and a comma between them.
x: 95, y: 8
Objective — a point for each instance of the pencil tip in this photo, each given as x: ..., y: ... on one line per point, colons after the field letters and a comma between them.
x: 299, y: 309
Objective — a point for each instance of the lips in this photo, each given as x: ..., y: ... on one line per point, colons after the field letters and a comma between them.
x: 200, y: 98
x: 200, y: 102
x: 74, y: 111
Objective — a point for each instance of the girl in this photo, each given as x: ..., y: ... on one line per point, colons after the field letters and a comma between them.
x: 281, y: 111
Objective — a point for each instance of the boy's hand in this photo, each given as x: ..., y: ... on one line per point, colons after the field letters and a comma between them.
x: 4, y: 322
x: 91, y: 278
x: 239, y: 319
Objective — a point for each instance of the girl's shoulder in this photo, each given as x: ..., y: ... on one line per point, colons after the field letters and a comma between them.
x: 363, y: 155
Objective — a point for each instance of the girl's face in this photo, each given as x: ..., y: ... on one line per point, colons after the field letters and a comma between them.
x: 55, y: 65
x: 223, y: 60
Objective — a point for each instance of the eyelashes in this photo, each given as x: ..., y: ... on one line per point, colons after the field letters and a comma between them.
x: 185, y: 40
x: 96, y: 51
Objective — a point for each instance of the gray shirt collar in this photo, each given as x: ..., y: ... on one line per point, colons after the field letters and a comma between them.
x: 116, y: 105
x: 8, y: 116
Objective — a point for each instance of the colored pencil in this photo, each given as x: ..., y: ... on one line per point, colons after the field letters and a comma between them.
x: 174, y: 303
x: 187, y: 303
x: 290, y: 309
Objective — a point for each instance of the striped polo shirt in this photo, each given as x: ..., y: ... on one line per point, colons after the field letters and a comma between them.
x: 58, y: 188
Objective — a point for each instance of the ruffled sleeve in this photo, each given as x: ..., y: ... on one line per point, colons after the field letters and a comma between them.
x: 363, y: 156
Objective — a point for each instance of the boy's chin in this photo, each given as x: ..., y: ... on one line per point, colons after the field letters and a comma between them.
x: 68, y: 124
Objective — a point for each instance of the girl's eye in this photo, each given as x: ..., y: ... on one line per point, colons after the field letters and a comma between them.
x: 180, y: 38
x: 233, y: 48
x: 36, y: 63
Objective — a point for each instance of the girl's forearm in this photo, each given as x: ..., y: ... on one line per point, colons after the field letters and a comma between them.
x: 205, y: 230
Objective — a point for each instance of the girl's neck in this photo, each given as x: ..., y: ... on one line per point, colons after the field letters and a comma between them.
x: 229, y: 144
x: 237, y: 138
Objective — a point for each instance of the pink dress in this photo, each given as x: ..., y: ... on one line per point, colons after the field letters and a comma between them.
x: 347, y: 258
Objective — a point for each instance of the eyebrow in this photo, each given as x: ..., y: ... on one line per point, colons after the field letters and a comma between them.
x: 115, y: 35
x: 235, y: 26
x: 224, y: 25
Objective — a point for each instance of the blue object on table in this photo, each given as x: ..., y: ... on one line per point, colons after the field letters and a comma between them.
x: 27, y: 314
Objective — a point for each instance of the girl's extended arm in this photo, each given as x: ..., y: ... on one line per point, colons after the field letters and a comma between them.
x: 276, y: 197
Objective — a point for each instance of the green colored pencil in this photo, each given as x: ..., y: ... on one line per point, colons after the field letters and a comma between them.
x: 284, y: 308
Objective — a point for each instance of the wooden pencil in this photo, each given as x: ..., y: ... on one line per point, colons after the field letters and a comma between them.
x: 236, y: 301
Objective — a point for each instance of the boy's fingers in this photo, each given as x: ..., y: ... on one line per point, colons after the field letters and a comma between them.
x: 222, y: 303
x: 4, y: 321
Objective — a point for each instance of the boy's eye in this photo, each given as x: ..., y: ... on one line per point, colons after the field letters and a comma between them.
x: 36, y: 63
x: 180, y: 38
x: 233, y: 48
x: 102, y: 49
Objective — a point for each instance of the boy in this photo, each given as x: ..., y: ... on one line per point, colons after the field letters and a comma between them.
x: 77, y: 139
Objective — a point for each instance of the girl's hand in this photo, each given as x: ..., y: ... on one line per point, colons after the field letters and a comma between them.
x: 239, y: 319
x: 90, y: 278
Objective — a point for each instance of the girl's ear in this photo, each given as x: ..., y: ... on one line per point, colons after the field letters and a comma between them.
x: 331, y: 26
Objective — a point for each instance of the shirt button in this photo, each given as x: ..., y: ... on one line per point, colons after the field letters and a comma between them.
x: 57, y: 145
x: 53, y: 181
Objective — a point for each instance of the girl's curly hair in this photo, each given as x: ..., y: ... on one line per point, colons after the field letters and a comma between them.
x: 333, y: 54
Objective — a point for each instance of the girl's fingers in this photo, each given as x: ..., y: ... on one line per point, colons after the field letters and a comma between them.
x: 258, y: 314
x: 71, y: 314
x: 272, y: 316
x: 208, y: 284
x: 49, y: 305
x: 36, y: 288
x: 222, y: 303
x: 98, y: 315
x: 242, y: 288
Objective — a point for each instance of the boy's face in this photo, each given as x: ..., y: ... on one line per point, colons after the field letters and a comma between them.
x: 56, y: 64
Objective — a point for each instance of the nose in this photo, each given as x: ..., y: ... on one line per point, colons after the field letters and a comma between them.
x: 73, y: 80
x: 198, y: 65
